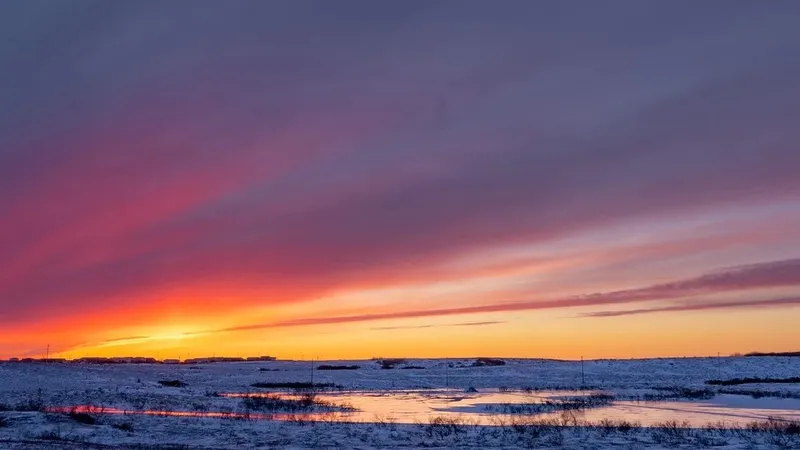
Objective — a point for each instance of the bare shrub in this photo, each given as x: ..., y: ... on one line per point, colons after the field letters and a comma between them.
x: 481, y: 362
x: 51, y: 435
x: 294, y: 385
x: 754, y: 380
x: 385, y: 422
x: 307, y: 401
x: 82, y: 417
x: 333, y: 367
x: 671, y: 432
x: 759, y: 393
x: 441, y: 426
x: 172, y: 383
x: 608, y: 426
x: 389, y: 363
x: 31, y: 404
x: 566, y: 404
x: 124, y: 426
x: 678, y: 392
x: 779, y: 432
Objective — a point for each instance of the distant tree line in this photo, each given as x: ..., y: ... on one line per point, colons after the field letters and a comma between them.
x: 773, y: 354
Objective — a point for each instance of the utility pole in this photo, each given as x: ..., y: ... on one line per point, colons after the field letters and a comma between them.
x: 446, y: 379
x: 312, y: 375
x: 48, y: 352
x: 583, y: 374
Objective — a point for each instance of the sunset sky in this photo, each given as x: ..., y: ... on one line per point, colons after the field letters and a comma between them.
x: 352, y: 179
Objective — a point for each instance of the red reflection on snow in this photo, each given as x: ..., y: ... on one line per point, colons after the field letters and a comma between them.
x: 89, y: 409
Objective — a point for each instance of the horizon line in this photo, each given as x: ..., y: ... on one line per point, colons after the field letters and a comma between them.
x: 254, y: 359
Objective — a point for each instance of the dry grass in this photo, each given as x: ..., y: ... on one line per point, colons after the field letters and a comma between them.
x: 305, y: 402
x: 293, y: 385
x: 172, y: 383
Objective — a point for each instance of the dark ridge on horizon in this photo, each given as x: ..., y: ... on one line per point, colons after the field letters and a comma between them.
x: 223, y: 359
x: 773, y: 354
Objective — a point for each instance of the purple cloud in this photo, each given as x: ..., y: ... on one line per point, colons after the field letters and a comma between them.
x: 765, y: 275
x: 701, y: 306
x: 463, y: 324
x: 752, y: 276
x: 298, y: 147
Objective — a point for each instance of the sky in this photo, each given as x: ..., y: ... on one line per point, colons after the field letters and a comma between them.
x: 356, y: 179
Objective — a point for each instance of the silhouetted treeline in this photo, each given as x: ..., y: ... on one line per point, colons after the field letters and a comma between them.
x: 332, y: 367
x: 141, y: 360
x: 738, y: 381
x: 773, y: 354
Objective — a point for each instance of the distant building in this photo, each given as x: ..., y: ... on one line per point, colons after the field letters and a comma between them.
x: 53, y: 360
x: 134, y: 360
x: 213, y: 359
x: 115, y: 360
x: 261, y: 358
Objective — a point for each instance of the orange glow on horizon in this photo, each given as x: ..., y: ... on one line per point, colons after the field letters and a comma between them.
x: 205, y: 319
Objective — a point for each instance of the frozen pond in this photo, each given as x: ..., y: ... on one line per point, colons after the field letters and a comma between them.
x: 492, y: 408
x: 486, y: 407
x: 193, y: 406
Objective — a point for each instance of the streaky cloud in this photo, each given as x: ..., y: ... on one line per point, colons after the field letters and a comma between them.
x: 123, y: 339
x: 462, y: 324
x: 700, y: 306
x: 752, y: 276
x: 770, y: 274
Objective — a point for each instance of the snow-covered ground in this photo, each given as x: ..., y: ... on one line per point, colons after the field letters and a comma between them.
x: 400, y: 407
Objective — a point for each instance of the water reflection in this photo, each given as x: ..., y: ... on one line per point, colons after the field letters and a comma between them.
x: 91, y: 409
x: 410, y: 407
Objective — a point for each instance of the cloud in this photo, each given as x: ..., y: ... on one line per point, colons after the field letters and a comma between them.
x: 290, y: 149
x: 700, y: 306
x: 763, y: 275
x: 769, y: 274
x: 125, y: 339
x: 463, y: 324
x: 129, y: 340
